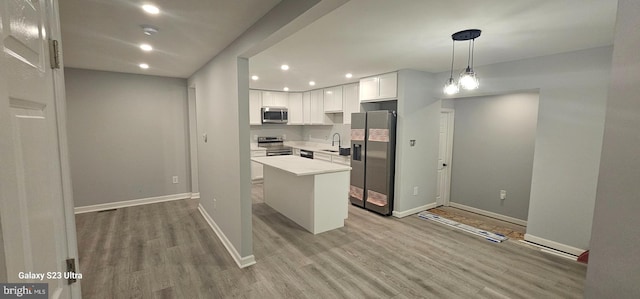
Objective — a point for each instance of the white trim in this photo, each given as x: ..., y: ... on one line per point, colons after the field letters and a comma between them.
x: 446, y: 199
x: 195, y: 195
x: 419, y: 209
x: 242, y: 262
x: 554, y: 245
x: 490, y: 214
x: 131, y: 203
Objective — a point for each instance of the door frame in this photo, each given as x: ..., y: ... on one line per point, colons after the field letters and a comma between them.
x: 52, y: 24
x: 60, y: 100
x: 446, y: 193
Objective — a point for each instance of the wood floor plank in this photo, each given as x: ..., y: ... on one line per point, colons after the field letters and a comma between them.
x: 167, y: 250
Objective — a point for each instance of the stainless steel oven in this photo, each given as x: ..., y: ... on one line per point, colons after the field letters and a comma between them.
x: 275, y: 146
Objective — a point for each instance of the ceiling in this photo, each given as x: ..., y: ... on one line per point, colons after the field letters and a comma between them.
x: 368, y: 37
x: 106, y: 34
x: 363, y: 37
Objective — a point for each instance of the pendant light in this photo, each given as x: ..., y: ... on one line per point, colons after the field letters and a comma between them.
x: 451, y: 87
x: 468, y: 79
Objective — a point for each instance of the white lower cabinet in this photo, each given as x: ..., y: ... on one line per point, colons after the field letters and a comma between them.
x: 344, y: 160
x: 256, y: 168
x: 321, y: 156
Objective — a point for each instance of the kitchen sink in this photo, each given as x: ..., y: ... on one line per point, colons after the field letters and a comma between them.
x: 331, y: 151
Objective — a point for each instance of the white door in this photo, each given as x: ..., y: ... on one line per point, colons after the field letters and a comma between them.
x: 444, y: 157
x: 36, y: 228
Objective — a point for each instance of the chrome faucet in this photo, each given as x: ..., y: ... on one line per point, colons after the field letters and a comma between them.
x: 333, y: 139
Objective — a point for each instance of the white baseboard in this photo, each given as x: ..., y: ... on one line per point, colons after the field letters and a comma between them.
x: 130, y: 203
x: 487, y: 213
x: 195, y: 195
x: 419, y: 209
x: 554, y: 245
x: 242, y: 262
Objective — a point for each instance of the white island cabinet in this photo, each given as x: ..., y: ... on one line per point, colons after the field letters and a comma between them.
x: 314, y: 194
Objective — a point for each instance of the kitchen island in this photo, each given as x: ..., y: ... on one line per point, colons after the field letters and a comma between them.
x: 312, y: 193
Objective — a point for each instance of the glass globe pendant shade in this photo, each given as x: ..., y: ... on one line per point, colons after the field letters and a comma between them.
x: 468, y: 79
x: 451, y: 87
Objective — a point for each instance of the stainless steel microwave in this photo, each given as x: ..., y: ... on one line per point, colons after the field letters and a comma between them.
x: 275, y: 115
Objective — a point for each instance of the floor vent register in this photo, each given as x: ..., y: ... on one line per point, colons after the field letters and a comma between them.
x: 493, y: 237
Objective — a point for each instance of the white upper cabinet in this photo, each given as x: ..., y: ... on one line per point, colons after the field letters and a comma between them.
x: 333, y: 99
x: 369, y: 88
x: 255, y: 104
x: 274, y: 99
x: 351, y: 102
x: 296, y: 110
x: 388, y: 86
x: 379, y: 88
x: 317, y: 108
x: 306, y: 107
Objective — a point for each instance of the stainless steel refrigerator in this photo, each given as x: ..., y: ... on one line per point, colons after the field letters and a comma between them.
x: 373, y: 144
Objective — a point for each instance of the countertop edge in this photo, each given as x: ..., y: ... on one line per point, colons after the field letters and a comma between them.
x: 340, y: 168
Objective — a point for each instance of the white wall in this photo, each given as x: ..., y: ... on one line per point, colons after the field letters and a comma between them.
x: 492, y: 151
x: 291, y: 132
x: 128, y: 135
x: 418, y: 119
x: 573, y: 88
x: 614, y: 260
x: 222, y: 101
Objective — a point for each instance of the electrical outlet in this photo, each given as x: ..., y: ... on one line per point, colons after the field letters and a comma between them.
x: 503, y: 194
x: 284, y: 136
x: 175, y: 179
x: 415, y: 190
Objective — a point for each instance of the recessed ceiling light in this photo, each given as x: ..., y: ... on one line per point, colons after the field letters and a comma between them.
x: 143, y: 66
x: 254, y: 77
x: 349, y: 75
x: 284, y: 67
x: 286, y: 89
x: 152, y: 9
x: 149, y: 30
x: 146, y: 47
x: 312, y: 83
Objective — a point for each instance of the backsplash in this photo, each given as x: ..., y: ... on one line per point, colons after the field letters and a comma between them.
x: 289, y: 132
x: 323, y: 134
x: 319, y: 134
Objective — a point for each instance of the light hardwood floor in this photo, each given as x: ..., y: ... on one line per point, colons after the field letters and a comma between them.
x: 166, y: 250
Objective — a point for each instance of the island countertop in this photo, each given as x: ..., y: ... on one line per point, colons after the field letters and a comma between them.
x: 300, y: 166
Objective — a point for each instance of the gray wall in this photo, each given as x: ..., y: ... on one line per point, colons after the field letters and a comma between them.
x: 222, y: 102
x: 418, y: 119
x: 573, y: 91
x: 193, y: 141
x: 493, y: 150
x: 128, y: 135
x: 614, y: 260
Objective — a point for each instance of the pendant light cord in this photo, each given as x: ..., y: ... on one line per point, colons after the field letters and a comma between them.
x: 469, y: 56
x: 473, y: 49
x: 453, y: 56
